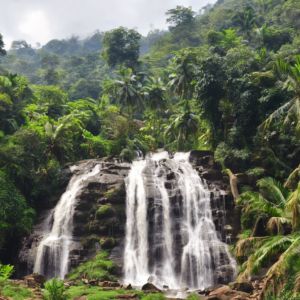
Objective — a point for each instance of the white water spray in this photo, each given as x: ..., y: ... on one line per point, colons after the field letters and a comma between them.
x: 53, y: 251
x: 170, y: 234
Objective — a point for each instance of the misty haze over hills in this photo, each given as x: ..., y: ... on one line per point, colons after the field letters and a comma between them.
x: 40, y: 21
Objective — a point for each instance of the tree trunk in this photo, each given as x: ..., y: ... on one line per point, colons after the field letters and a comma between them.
x: 233, y: 185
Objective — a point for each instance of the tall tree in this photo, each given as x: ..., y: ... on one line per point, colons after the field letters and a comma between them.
x: 125, y: 91
x: 52, y: 97
x: 183, y: 72
x: 185, y: 122
x: 121, y: 47
x: 288, y: 115
x: 155, y: 94
x: 180, y: 16
x: 182, y: 25
x: 15, y: 93
x: 2, y: 50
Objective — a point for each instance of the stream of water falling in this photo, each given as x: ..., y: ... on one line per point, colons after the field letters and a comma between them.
x: 53, y: 251
x: 170, y: 235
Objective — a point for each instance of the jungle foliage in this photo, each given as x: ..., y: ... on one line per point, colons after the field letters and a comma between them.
x: 226, y: 78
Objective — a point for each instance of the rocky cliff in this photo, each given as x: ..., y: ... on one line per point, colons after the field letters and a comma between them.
x: 99, y: 215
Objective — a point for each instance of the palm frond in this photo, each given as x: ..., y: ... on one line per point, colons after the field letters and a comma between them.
x: 275, y: 190
x: 274, y: 245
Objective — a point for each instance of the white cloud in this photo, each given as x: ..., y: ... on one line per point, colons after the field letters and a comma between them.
x: 36, y: 27
x: 43, y: 20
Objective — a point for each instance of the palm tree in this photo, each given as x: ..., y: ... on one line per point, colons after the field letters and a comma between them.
x: 272, y: 199
x: 261, y: 249
x: 261, y: 32
x: 155, y: 94
x: 60, y: 135
x: 289, y: 113
x: 125, y: 91
x: 182, y: 74
x: 185, y: 122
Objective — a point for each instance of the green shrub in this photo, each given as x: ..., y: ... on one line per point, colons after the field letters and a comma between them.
x: 96, y: 293
x: 193, y: 297
x: 127, y: 154
x: 17, y: 292
x: 236, y: 159
x: 5, y: 272
x: 99, y: 268
x: 55, y: 290
x: 255, y: 174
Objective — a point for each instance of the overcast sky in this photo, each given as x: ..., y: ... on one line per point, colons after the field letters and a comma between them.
x: 43, y: 20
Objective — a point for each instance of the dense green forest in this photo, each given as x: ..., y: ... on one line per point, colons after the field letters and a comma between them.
x: 225, y: 79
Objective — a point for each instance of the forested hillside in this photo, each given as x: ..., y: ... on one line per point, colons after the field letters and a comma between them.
x: 226, y: 78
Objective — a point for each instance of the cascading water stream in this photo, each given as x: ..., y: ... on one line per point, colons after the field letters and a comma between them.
x: 170, y: 235
x: 53, y: 251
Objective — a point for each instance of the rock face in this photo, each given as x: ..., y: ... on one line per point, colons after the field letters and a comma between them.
x: 99, y: 211
x: 99, y: 215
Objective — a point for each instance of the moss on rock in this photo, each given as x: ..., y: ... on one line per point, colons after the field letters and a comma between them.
x: 104, y: 212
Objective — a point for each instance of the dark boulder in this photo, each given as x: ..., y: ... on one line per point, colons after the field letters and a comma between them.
x: 149, y: 286
x: 244, y: 286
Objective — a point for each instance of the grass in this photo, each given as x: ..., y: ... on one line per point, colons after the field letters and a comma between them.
x: 16, y: 292
x: 155, y: 297
x: 96, y: 293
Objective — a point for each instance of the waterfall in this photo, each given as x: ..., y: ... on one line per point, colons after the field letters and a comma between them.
x: 53, y: 251
x: 171, y: 238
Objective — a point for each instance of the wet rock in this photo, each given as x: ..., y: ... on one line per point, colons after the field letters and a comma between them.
x: 225, y: 293
x: 212, y: 175
x: 93, y: 282
x: 126, y: 287
x: 149, y: 286
x: 212, y: 288
x: 80, y: 216
x: 244, y: 286
x: 67, y: 285
x: 35, y: 280
x: 198, y: 154
x: 107, y: 284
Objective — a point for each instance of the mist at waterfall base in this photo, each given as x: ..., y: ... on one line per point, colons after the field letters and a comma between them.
x: 52, y: 257
x: 171, y: 239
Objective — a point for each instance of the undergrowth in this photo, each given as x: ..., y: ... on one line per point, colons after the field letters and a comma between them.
x: 96, y: 293
x: 16, y: 292
x: 100, y: 269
